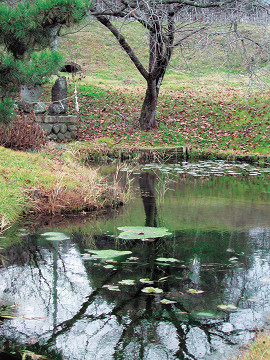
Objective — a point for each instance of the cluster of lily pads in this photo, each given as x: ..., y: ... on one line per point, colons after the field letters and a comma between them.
x: 204, y: 169
x: 108, y: 258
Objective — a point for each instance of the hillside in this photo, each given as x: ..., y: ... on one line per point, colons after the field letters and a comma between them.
x: 205, y: 102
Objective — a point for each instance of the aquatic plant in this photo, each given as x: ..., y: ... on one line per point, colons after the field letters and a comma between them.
x: 142, y: 232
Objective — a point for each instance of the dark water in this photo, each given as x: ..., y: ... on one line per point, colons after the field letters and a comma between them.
x: 220, y: 222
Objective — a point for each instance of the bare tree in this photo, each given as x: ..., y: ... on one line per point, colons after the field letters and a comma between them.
x: 169, y: 24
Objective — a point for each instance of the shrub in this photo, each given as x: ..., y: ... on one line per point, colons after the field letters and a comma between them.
x: 22, y: 133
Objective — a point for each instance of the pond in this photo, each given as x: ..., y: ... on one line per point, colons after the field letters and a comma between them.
x: 199, y: 290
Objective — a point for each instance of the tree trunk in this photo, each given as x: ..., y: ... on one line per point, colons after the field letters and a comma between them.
x: 147, y: 117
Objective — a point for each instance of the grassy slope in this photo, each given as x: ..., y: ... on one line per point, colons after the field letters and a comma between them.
x: 201, y: 104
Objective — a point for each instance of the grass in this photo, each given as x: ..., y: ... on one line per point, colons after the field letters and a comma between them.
x: 205, y: 119
x: 259, y: 350
x: 49, y: 182
x: 203, y: 102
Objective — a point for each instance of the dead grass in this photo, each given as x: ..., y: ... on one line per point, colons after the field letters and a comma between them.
x: 259, y: 349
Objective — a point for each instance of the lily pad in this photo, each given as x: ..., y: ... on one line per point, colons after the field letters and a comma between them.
x: 146, y: 281
x: 142, y: 232
x: 127, y: 282
x: 167, y: 302
x: 55, y: 236
x: 133, y: 258
x: 194, y: 291
x: 171, y: 260
x: 229, y: 307
x: 111, y: 287
x: 152, y: 290
x: 111, y: 261
x: 109, y: 267
x: 205, y: 314
x: 233, y: 259
x: 107, y: 254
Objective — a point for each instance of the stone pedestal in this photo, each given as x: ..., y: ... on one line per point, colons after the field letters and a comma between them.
x: 59, y: 127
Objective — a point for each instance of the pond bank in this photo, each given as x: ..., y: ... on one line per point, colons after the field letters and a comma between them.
x: 49, y: 183
x: 103, y: 152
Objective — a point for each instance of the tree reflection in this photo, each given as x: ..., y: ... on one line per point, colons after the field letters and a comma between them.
x: 85, y: 320
x: 147, y: 187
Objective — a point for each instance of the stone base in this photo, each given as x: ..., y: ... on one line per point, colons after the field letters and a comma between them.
x: 59, y: 127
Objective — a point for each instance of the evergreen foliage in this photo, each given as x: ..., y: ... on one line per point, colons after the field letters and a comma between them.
x: 25, y: 30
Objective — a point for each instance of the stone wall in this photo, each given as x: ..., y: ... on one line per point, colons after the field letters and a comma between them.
x: 59, y: 127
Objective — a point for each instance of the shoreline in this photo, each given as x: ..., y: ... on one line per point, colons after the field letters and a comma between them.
x: 98, y: 153
x: 61, y: 181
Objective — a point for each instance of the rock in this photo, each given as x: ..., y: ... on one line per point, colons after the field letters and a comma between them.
x: 73, y: 135
x: 71, y: 67
x: 57, y: 109
x: 39, y: 108
x: 31, y: 94
x: 56, y: 128
x: 72, y: 127
x: 63, y: 128
x: 68, y: 135
x: 47, y: 128
x: 66, y: 119
x: 53, y: 137
x: 60, y: 136
x: 25, y: 106
x: 59, y: 97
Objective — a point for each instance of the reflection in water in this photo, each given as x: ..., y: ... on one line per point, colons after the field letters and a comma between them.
x: 148, y: 194
x: 65, y: 312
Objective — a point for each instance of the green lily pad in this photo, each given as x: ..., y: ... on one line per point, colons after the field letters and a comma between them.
x: 142, y: 232
x: 109, y: 267
x: 171, y: 260
x: 127, y: 282
x: 151, y: 290
x: 146, y: 281
x: 107, y: 254
x: 205, y: 314
x: 55, y: 236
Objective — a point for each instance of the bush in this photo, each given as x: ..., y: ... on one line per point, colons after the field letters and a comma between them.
x: 22, y: 133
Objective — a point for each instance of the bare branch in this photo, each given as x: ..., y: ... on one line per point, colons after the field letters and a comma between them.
x: 122, y: 41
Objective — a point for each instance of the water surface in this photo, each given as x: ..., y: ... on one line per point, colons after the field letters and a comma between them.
x: 70, y: 306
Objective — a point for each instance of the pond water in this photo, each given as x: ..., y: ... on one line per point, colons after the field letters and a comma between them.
x: 209, y: 280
